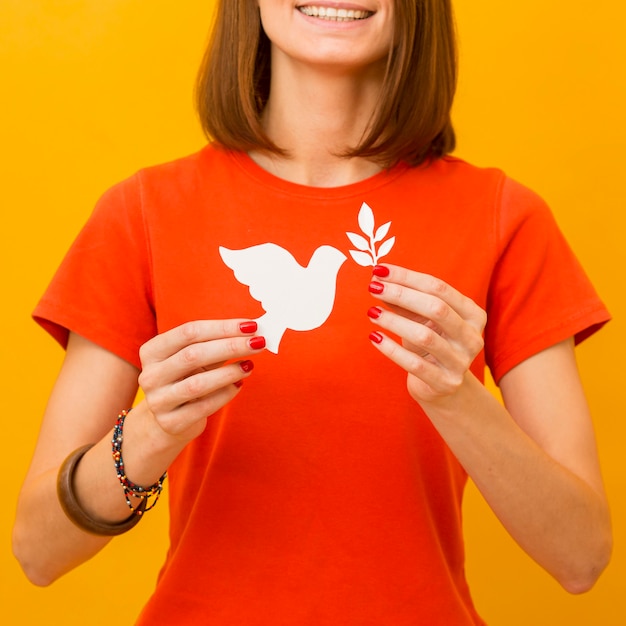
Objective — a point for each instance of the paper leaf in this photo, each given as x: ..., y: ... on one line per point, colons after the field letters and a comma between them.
x: 362, y: 258
x: 381, y: 232
x: 386, y: 246
x: 360, y: 242
x: 366, y: 220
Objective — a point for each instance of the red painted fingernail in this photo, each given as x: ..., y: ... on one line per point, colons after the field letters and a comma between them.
x: 381, y: 271
x: 248, y: 327
x: 376, y: 287
x: 375, y: 312
x: 246, y: 366
x: 256, y: 343
x: 238, y: 383
x: 376, y: 337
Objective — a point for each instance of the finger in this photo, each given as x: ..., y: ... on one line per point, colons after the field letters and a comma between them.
x: 465, y: 307
x: 419, y: 338
x: 198, y: 358
x: 409, y: 361
x: 209, y: 353
x: 200, y: 385
x: 172, y: 341
x: 190, y: 415
x: 435, y: 314
x: 419, y: 304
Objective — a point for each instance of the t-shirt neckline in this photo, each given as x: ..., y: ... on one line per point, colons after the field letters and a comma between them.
x: 269, y: 180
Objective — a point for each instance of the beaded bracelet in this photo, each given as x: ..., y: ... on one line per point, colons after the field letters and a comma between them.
x: 129, y: 487
x: 73, y: 508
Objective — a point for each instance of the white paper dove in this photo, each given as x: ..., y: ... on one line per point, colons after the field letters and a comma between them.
x: 295, y: 297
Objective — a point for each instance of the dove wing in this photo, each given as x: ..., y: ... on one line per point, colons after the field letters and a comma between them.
x: 259, y: 267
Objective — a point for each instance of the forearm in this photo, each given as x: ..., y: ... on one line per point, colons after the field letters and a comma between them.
x: 558, y: 518
x: 188, y: 373
x: 46, y: 542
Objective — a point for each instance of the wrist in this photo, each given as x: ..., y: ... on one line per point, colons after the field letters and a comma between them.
x: 465, y: 401
x: 147, y: 449
x: 137, y: 496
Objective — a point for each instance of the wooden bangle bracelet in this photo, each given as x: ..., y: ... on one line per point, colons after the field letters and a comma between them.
x: 73, y: 509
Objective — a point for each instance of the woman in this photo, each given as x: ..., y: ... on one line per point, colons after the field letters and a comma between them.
x: 316, y: 476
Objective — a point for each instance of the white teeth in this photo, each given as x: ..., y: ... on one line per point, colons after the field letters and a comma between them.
x: 334, y: 15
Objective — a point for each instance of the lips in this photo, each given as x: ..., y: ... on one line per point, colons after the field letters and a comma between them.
x: 335, y: 15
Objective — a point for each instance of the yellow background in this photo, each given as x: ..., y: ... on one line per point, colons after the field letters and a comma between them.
x: 94, y: 89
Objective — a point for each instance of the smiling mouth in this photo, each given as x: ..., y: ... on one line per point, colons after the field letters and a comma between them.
x: 335, y: 15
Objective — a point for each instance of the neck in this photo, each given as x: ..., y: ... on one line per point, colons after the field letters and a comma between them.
x: 316, y: 116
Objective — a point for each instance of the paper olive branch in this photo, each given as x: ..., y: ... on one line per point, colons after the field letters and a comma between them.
x: 366, y: 254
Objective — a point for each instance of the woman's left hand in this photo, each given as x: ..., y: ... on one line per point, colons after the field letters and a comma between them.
x: 440, y: 329
x: 534, y: 458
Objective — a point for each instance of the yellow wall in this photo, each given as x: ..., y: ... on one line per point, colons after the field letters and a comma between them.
x: 93, y: 89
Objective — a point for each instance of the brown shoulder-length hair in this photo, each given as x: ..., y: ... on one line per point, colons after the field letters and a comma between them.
x: 412, y: 121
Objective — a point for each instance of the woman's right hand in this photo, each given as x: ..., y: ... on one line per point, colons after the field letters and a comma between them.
x: 192, y: 371
x: 188, y: 374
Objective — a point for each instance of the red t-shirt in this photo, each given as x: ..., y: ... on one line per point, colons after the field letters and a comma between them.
x: 322, y: 494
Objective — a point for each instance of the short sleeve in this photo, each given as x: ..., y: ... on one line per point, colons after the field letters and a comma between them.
x: 539, y: 293
x: 102, y: 289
